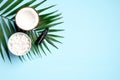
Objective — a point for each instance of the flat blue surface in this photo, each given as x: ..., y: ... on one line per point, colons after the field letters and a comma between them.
x: 90, y: 50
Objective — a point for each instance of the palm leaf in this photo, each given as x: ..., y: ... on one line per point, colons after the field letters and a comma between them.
x: 51, y: 43
x: 36, y: 5
x: 52, y: 35
x: 5, y: 34
x: 11, y: 7
x: 41, y: 10
x: 1, y: 1
x: 6, y: 4
x: 56, y: 30
x: 41, y: 46
x: 45, y: 45
x: 47, y: 20
x: 21, y: 6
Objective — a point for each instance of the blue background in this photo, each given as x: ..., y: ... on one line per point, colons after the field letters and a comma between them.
x: 90, y: 49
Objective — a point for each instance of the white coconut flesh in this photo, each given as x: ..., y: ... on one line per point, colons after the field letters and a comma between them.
x: 19, y: 43
x: 27, y: 18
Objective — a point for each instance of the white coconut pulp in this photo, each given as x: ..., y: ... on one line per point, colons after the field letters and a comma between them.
x: 19, y: 43
x: 27, y: 18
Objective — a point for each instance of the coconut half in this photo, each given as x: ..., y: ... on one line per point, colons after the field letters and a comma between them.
x: 27, y: 18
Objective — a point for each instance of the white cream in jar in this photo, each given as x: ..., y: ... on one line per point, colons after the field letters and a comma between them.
x: 19, y: 44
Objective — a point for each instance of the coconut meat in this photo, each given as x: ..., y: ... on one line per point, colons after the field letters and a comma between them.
x: 27, y: 18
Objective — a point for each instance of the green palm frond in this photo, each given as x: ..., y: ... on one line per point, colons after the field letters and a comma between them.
x: 8, y: 10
